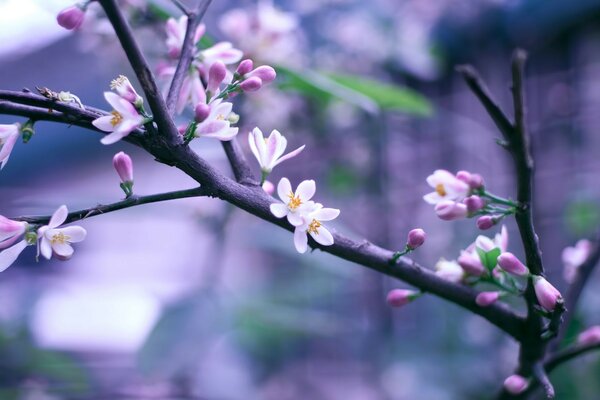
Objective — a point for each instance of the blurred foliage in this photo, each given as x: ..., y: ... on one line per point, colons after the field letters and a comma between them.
x: 582, y: 217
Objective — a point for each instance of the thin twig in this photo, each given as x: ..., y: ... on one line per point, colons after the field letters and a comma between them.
x: 241, y: 170
x: 568, y: 354
x: 120, y: 205
x: 181, y: 7
x: 542, y: 377
x: 188, y: 50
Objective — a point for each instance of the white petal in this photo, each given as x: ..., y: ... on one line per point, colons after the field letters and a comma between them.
x: 279, y: 210
x: 254, y: 142
x: 300, y: 240
x: 7, y: 148
x: 306, y: 190
x: 46, y: 248
x: 326, y: 214
x: 295, y: 219
x: 289, y: 155
x: 64, y: 250
x: 114, y: 100
x: 104, y: 123
x: 433, y: 198
x: 59, y: 217
x: 75, y: 233
x: 484, y: 243
x: 112, y: 138
x: 275, y: 147
x: 284, y: 188
x: 323, y: 237
x: 10, y: 255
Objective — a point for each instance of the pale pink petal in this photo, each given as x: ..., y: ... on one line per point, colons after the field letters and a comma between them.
x: 75, y: 233
x: 10, y: 255
x: 433, y: 198
x: 323, y: 236
x: 184, y: 95
x: 289, y: 155
x: 59, y: 217
x: 326, y: 214
x: 113, y: 137
x: 279, y: 210
x: 64, y: 250
x: 104, y: 123
x: 254, y: 140
x: 284, y: 188
x: 300, y: 240
x: 306, y: 190
x: 46, y: 248
x: 295, y: 219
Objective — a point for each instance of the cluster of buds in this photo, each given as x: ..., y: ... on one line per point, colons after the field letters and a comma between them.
x: 305, y: 215
x: 51, y: 239
x: 464, y: 196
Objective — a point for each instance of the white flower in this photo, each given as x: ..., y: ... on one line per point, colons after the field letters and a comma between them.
x: 8, y: 137
x: 449, y: 270
x: 269, y: 151
x: 217, y: 125
x: 125, y: 89
x: 447, y: 187
x: 573, y: 257
x: 10, y: 232
x: 176, y: 33
x: 58, y: 240
x: 295, y: 204
x: 121, y: 121
x: 500, y: 241
x: 312, y: 224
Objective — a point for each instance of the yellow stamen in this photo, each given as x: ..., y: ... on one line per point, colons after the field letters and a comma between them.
x: 294, y: 202
x: 60, y: 238
x: 439, y: 188
x: 220, y: 117
x: 314, y: 227
x: 116, y: 119
x: 115, y: 83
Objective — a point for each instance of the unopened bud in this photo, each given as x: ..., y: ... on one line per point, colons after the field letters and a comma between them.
x: 474, y: 203
x: 416, y: 238
x: 449, y: 210
x: 515, y: 384
x: 511, y: 264
x: 201, y: 112
x: 216, y: 75
x: 486, y: 222
x: 590, y: 336
x: 264, y: 72
x: 71, y: 17
x: 401, y: 297
x: 485, y: 299
x: 251, y: 84
x: 244, y: 67
x: 547, y: 295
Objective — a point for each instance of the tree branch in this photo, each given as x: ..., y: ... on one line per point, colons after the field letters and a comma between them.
x: 120, y: 205
x: 568, y: 354
x: 187, y: 53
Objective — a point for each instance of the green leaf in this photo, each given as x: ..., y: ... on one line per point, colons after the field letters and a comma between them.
x: 387, y: 96
x: 489, y: 259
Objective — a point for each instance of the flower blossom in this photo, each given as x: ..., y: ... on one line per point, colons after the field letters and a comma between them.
x: 55, y: 240
x: 447, y: 187
x: 10, y: 232
x: 125, y: 89
x: 294, y: 203
x: 217, y: 124
x: 312, y: 224
x: 121, y: 121
x: 8, y: 137
x: 574, y: 257
x: 269, y: 151
x: 176, y: 34
x: 449, y: 270
x: 469, y: 258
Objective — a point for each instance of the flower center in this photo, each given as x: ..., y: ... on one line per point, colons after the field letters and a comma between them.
x: 60, y: 238
x: 116, y: 119
x: 119, y: 81
x: 220, y: 117
x: 314, y: 227
x: 439, y: 188
x: 294, y: 201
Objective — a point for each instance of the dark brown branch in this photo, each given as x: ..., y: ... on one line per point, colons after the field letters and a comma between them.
x: 139, y: 64
x: 568, y: 354
x: 542, y: 377
x: 187, y: 53
x: 120, y: 205
x: 181, y: 7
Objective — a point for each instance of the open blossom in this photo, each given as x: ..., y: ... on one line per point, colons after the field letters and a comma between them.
x: 8, y: 137
x: 269, y: 151
x: 10, y: 232
x: 71, y: 17
x: 401, y: 297
x: 515, y: 384
x: 222, y: 51
x: 125, y: 89
x: 446, y: 187
x: 216, y: 124
x: 546, y: 294
x: 469, y: 258
x: 312, y: 224
x: 121, y: 121
x: 176, y: 33
x: 574, y: 257
x: 55, y: 240
x: 590, y: 336
x: 294, y: 203
x: 449, y: 270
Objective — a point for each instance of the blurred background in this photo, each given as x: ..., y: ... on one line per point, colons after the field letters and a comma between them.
x: 194, y: 299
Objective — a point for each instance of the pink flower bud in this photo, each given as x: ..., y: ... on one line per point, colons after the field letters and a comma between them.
x: 449, y: 210
x: 216, y: 75
x: 474, y: 203
x: 476, y: 181
x: 546, y: 294
x: 401, y: 297
x: 251, y: 84
x: 486, y: 222
x: 264, y: 72
x: 268, y: 187
x: 244, y: 67
x: 471, y: 263
x: 515, y: 384
x: 485, y: 299
x: 416, y: 238
x: 590, y: 336
x: 201, y: 112
x: 124, y: 166
x: 71, y: 17
x: 464, y: 176
x: 511, y: 264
